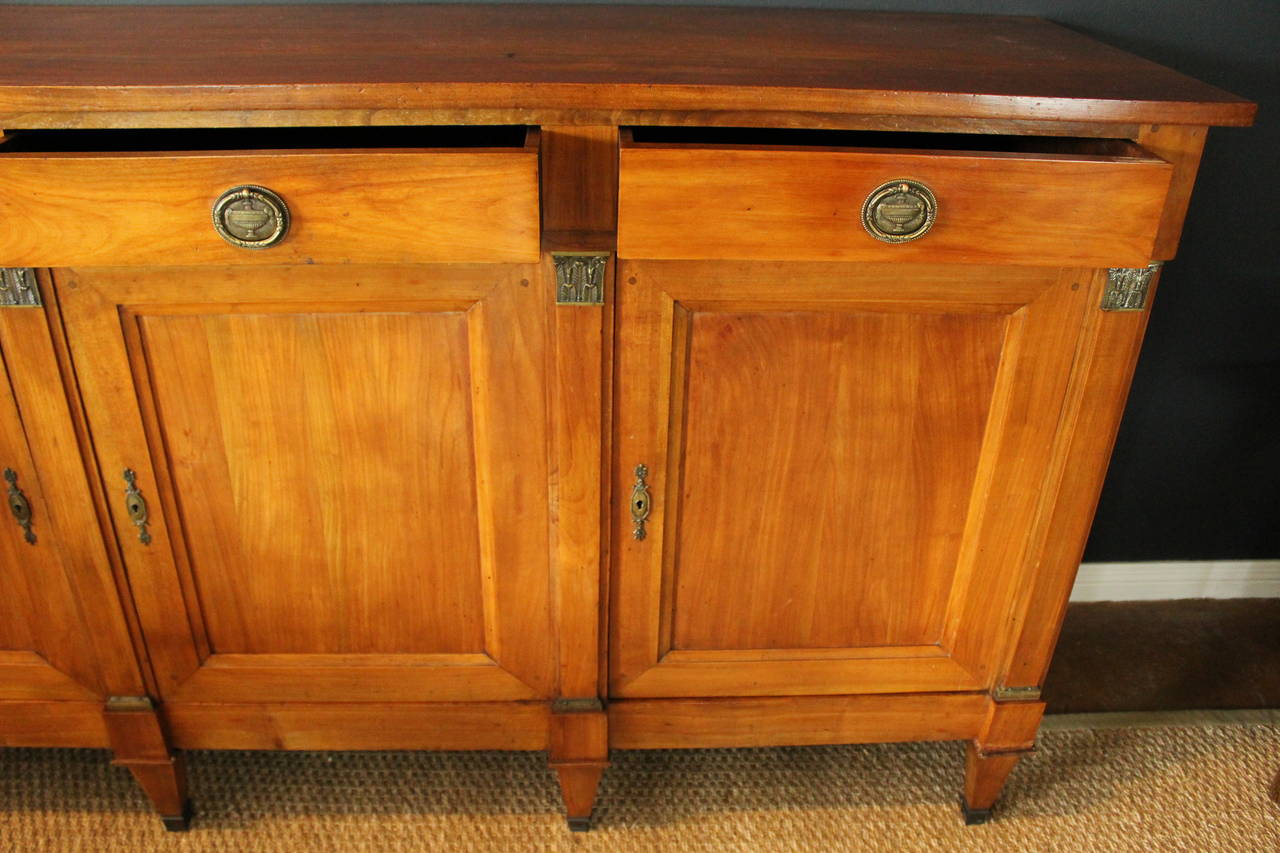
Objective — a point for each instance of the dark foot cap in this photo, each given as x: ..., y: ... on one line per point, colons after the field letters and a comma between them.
x: 972, y: 816
x: 178, y: 822
x: 579, y: 824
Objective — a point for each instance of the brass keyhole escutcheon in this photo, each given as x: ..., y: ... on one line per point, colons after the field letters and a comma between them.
x: 19, y: 506
x: 640, y: 502
x: 899, y: 211
x: 136, y: 506
x: 251, y: 217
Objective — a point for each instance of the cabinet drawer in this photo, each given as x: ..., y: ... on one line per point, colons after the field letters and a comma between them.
x: 67, y: 200
x: 1086, y: 203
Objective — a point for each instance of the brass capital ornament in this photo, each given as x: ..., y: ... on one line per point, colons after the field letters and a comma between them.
x: 251, y: 217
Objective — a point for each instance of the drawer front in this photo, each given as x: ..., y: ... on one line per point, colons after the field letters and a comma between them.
x: 405, y: 206
x: 686, y: 202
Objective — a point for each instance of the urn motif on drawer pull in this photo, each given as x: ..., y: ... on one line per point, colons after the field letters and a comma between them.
x: 899, y: 211
x: 251, y: 217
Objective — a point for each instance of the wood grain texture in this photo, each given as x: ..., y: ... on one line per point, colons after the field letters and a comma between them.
x: 291, y: 555
x: 579, y: 753
x: 1008, y: 733
x: 720, y: 600
x: 1109, y: 354
x: 580, y: 178
x: 53, y: 723
x: 346, y: 207
x: 794, y: 720
x: 1010, y: 727
x: 359, y: 725
x: 793, y: 203
x: 579, y: 367
x: 92, y: 605
x: 396, y: 424
x: 47, y: 649
x: 837, y: 525
x: 140, y: 743
x: 1182, y: 147
x: 83, y: 61
x: 579, y: 204
x: 384, y: 117
x: 985, y: 775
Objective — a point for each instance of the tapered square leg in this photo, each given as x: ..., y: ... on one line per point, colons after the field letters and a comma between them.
x: 579, y: 754
x: 578, y: 786
x: 984, y: 778
x: 1008, y: 734
x: 139, y: 742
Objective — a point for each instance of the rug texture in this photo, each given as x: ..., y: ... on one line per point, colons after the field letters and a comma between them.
x: 1168, y: 788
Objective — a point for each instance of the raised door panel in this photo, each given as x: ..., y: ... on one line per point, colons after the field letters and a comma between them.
x: 46, y: 651
x: 844, y: 462
x: 345, y: 473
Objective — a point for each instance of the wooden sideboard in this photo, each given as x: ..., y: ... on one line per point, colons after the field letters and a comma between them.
x: 561, y: 378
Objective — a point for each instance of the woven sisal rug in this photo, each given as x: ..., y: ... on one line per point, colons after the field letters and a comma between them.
x: 1163, y: 788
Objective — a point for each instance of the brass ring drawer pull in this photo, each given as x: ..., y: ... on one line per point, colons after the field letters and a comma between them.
x: 899, y: 211
x: 251, y: 217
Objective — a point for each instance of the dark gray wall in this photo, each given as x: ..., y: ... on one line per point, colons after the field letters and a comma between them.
x: 1196, y: 472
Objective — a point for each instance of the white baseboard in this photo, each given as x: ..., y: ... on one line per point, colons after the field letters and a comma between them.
x: 1202, y: 579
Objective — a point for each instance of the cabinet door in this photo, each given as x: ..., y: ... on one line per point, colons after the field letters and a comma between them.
x: 845, y: 465
x: 344, y: 472
x: 46, y: 650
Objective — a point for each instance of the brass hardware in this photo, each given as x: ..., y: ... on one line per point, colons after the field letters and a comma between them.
x: 129, y: 704
x: 576, y: 706
x: 1127, y: 288
x: 19, y: 506
x: 640, y: 502
x: 251, y: 217
x: 18, y: 288
x: 899, y: 211
x: 1016, y: 694
x: 136, y: 505
x: 579, y: 277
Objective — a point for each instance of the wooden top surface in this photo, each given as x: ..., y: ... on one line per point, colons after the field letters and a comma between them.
x: 83, y: 60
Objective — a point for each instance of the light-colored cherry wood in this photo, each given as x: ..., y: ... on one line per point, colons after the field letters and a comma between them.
x: 561, y: 116
x: 797, y: 203
x: 843, y: 522
x: 531, y: 59
x: 842, y: 458
x: 45, y: 385
x: 580, y: 178
x: 294, y: 555
x: 389, y: 503
x: 140, y: 743
x: 1010, y: 727
x: 579, y: 367
x: 984, y: 776
x: 359, y: 725
x: 579, y: 753
x: 579, y: 197
x: 52, y: 723
x: 1008, y: 733
x: 794, y: 720
x: 61, y: 633
x: 347, y: 479
x: 1181, y: 146
x: 407, y: 206
x: 1100, y: 384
